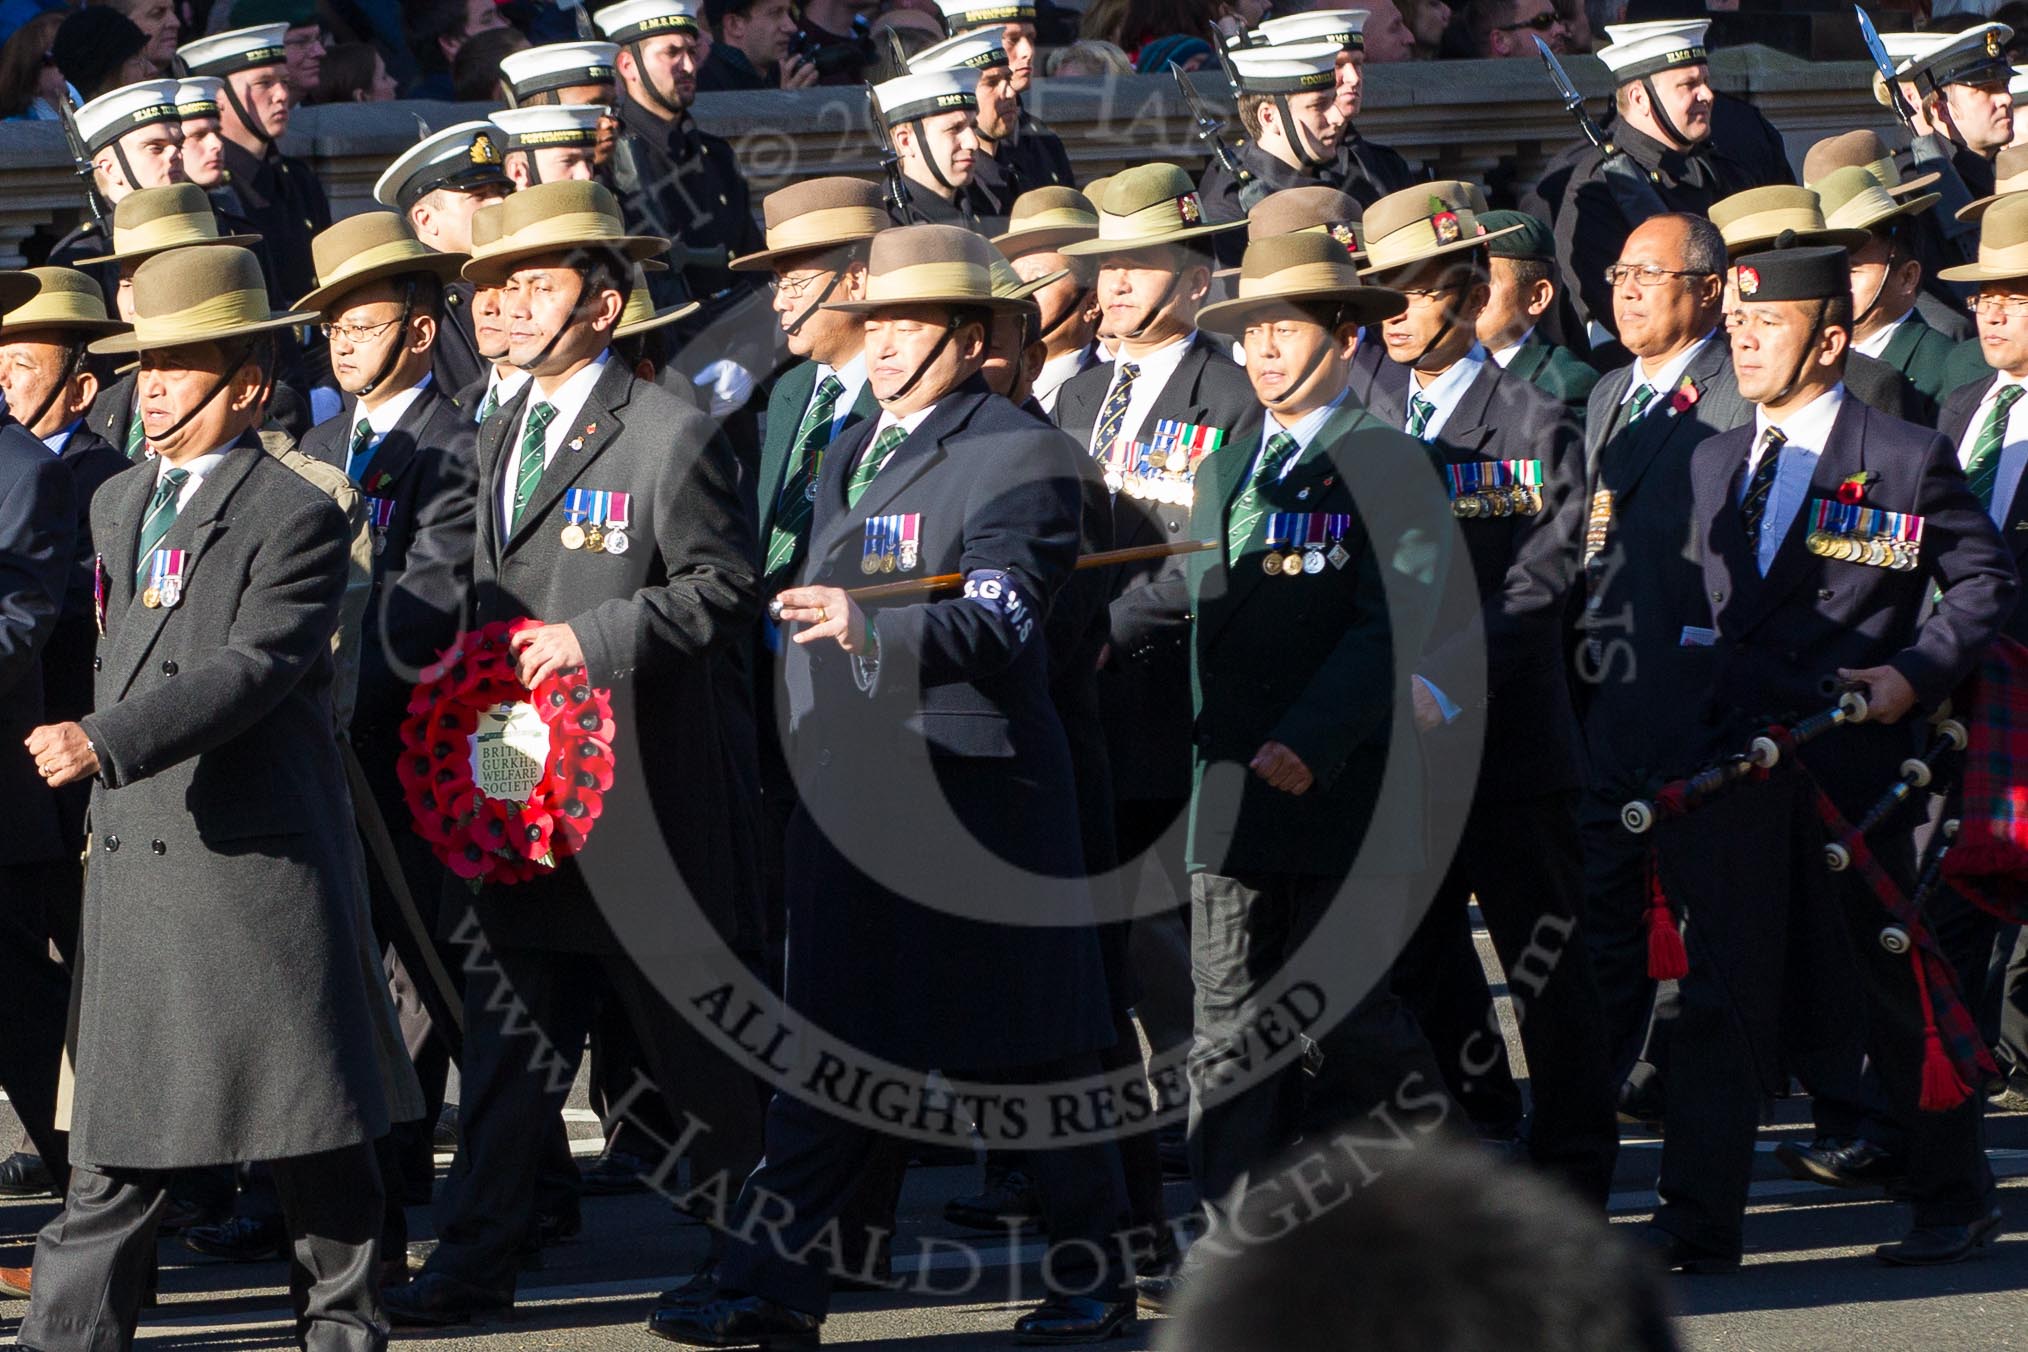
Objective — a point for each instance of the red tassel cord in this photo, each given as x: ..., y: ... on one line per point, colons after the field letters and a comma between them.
x: 1942, y: 1088
x: 1668, y: 960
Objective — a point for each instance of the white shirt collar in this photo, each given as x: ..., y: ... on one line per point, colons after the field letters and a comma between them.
x: 852, y: 376
x: 908, y: 424
x: 1669, y: 375
x: 1157, y: 365
x: 1806, y: 429
x: 1876, y: 343
x: 198, y: 470
x: 570, y: 396
x: 1448, y: 388
x: 504, y: 388
x: 1050, y: 380
x: 391, y: 409
x: 1506, y: 354
x: 1304, y: 430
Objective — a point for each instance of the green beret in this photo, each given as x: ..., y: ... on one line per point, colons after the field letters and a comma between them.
x: 1530, y: 240
x: 294, y: 13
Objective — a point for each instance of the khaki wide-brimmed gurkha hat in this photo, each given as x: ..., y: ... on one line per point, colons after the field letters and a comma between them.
x: 1854, y: 199
x: 370, y: 247
x: 1047, y: 219
x: 1308, y: 267
x: 930, y: 265
x: 556, y: 218
x: 816, y: 216
x: 1759, y: 217
x: 1430, y: 220
x: 153, y: 219
x: 2003, y: 246
x: 67, y: 299
x: 207, y: 293
x: 1146, y: 206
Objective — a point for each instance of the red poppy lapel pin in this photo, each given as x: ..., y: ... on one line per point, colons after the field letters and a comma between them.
x: 1852, y: 489
x: 1685, y: 397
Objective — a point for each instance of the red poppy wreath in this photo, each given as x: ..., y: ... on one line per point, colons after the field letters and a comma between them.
x: 504, y: 782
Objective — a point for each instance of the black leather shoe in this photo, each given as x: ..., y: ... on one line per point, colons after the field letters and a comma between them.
x: 736, y: 1321
x: 1156, y: 1292
x: 238, y: 1239
x: 1841, y: 1164
x: 1937, y: 1245
x: 1009, y: 1202
x: 1075, y: 1319
x: 616, y: 1172
x: 434, y: 1300
x: 1680, y: 1255
x: 699, y: 1287
x: 25, y: 1175
x: 444, y: 1137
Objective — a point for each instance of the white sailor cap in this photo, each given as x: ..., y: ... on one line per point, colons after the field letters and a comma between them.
x: 242, y: 49
x: 961, y: 16
x: 464, y: 158
x: 1901, y: 47
x: 927, y: 94
x: 1343, y: 28
x: 1635, y: 51
x: 631, y: 20
x: 1295, y: 69
x: 975, y: 50
x: 110, y: 116
x: 197, y: 96
x: 1976, y: 56
x: 548, y: 125
x: 558, y: 65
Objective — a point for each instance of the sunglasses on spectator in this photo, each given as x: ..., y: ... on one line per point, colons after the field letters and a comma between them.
x: 1541, y: 23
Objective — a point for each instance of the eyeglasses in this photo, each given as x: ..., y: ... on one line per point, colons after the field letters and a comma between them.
x: 1541, y: 23
x: 2014, y: 307
x: 355, y: 334
x: 1647, y: 276
x: 1429, y: 296
x: 795, y: 288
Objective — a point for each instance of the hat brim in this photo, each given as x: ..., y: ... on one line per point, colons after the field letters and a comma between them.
x: 1976, y: 209
x: 1434, y: 251
x: 660, y: 319
x: 1098, y: 247
x: 135, y: 342
x: 1845, y: 238
x: 1043, y: 239
x: 444, y: 266
x: 17, y: 289
x: 1979, y: 272
x: 768, y: 259
x: 14, y: 329
x: 494, y: 267
x: 867, y: 307
x: 1913, y: 185
x: 1910, y: 207
x: 1366, y: 304
x: 135, y: 255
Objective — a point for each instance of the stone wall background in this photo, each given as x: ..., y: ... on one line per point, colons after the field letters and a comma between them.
x: 1482, y: 120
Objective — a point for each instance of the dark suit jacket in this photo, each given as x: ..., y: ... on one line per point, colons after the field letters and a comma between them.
x: 1953, y: 423
x: 1145, y: 686
x: 946, y: 760
x: 422, y: 562
x: 1368, y: 172
x: 1497, y: 650
x: 1555, y: 372
x: 220, y: 1003
x: 67, y: 665
x: 652, y: 622
x: 1639, y: 686
x: 786, y: 406
x: 112, y: 411
x: 1922, y: 354
x: 1779, y: 636
x: 1035, y: 158
x: 39, y: 535
x: 1316, y: 661
x: 456, y: 361
x: 1221, y: 195
x: 1885, y: 390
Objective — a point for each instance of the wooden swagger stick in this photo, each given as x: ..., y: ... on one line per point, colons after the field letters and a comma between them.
x: 926, y: 586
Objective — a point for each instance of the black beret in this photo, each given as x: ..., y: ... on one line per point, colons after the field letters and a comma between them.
x: 1794, y: 274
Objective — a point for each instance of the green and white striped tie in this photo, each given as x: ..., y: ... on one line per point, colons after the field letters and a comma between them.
x: 875, y: 460
x: 161, y: 516
x: 529, y: 472
x: 1247, y: 508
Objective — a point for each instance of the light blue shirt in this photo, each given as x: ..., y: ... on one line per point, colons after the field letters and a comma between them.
x: 1305, y: 431
x: 1445, y: 391
x: 1808, y: 430
x: 60, y: 438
